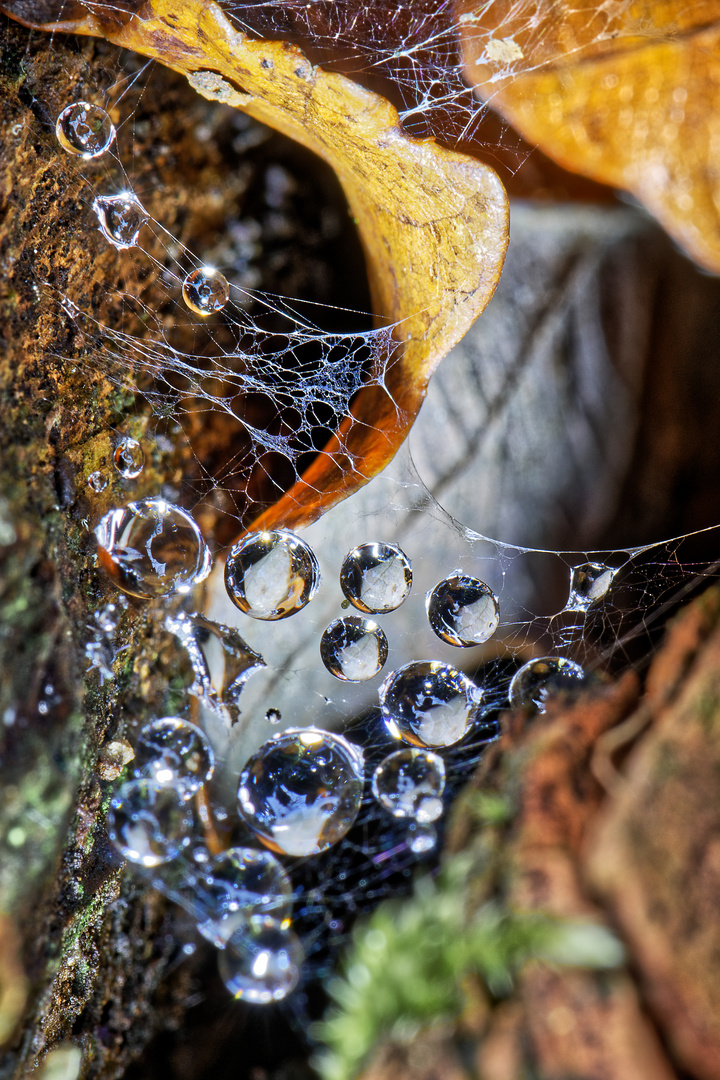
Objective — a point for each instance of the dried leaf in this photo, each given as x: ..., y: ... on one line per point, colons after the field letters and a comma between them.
x: 434, y: 223
x: 627, y: 93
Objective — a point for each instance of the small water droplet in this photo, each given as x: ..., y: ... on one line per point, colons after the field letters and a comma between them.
x: 428, y: 703
x: 273, y: 716
x: 152, y: 548
x: 222, y: 662
x: 588, y: 582
x: 205, y: 290
x: 147, y: 823
x: 239, y: 883
x: 421, y: 838
x: 532, y: 683
x: 261, y: 961
x: 410, y: 783
x: 353, y: 648
x: 97, y: 481
x: 376, y: 577
x: 302, y: 790
x: 271, y: 575
x: 128, y: 458
x: 84, y: 130
x: 463, y: 610
x: 174, y: 753
x: 121, y: 218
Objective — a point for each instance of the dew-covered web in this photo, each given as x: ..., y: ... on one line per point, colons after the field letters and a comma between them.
x: 250, y: 395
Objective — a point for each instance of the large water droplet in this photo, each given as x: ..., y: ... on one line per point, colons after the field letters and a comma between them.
x: 84, y: 130
x: 222, y: 662
x: 239, y: 883
x: 261, y: 962
x: 410, y: 783
x: 271, y: 575
x: 121, y: 218
x: 353, y: 648
x: 302, y: 790
x: 152, y: 548
x: 532, y: 683
x: 428, y: 703
x: 205, y: 290
x: 174, y: 753
x: 463, y: 610
x: 128, y: 458
x: 148, y: 823
x: 376, y: 577
x: 588, y: 582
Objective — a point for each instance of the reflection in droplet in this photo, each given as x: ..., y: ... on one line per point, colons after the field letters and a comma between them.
x: 271, y: 575
x: 409, y: 784
x: 84, y: 130
x: 152, y: 548
x: 205, y: 290
x: 353, y: 648
x: 302, y: 790
x: 221, y: 661
x: 463, y: 610
x: 241, y: 882
x: 532, y: 683
x: 121, y: 218
x: 376, y: 577
x: 428, y: 703
x: 128, y: 458
x: 97, y: 481
x: 148, y: 823
x: 174, y: 753
x: 261, y: 961
x: 588, y: 582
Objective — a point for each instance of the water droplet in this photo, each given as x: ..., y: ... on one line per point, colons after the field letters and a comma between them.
x: 222, y: 662
x: 532, y: 683
x: 121, y: 218
x: 84, y: 130
x: 128, y: 458
x: 421, y: 838
x: 152, y: 548
x: 97, y: 481
x: 261, y: 962
x: 302, y: 790
x: 205, y: 290
x: 271, y: 575
x: 174, y: 753
x: 376, y: 577
x: 147, y: 823
x: 410, y: 783
x: 353, y: 648
x: 463, y: 610
x: 588, y: 582
x: 242, y: 882
x: 273, y: 716
x: 428, y: 703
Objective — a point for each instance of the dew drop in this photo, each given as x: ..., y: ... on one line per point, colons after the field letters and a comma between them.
x: 239, y: 883
x: 84, y: 130
x: 302, y: 790
x: 261, y: 962
x: 121, y: 218
x: 273, y: 716
x: 409, y: 784
x: 463, y: 610
x: 532, y: 683
x: 429, y: 703
x: 421, y: 838
x: 205, y: 290
x: 97, y: 481
x: 152, y: 548
x: 128, y: 458
x: 147, y: 823
x: 588, y: 582
x: 376, y: 577
x: 271, y: 575
x: 353, y: 648
x: 174, y: 753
